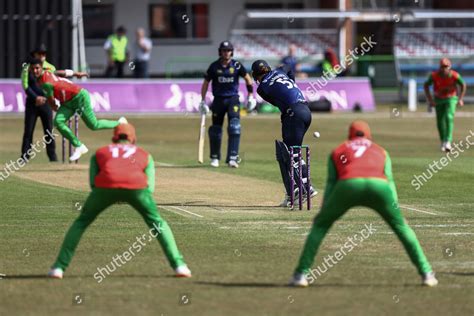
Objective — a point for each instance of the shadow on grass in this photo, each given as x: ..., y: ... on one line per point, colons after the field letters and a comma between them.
x: 457, y: 273
x: 182, y: 166
x: 44, y: 276
x: 202, y: 204
x: 51, y: 170
x: 85, y: 167
x: 319, y: 285
x: 242, y: 284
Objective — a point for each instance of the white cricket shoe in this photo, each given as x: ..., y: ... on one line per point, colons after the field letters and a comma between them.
x: 443, y: 146
x: 312, y: 192
x: 447, y: 146
x: 56, y: 273
x: 429, y: 279
x: 285, y: 202
x: 182, y: 272
x: 215, y: 163
x: 233, y: 164
x: 78, y: 152
x: 299, y: 280
x: 122, y: 120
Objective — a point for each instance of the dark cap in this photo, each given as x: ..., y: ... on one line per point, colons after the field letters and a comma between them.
x: 121, y: 29
x: 40, y: 49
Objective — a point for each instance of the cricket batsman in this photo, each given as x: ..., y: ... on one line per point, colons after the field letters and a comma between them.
x: 360, y: 174
x: 445, y: 82
x: 224, y: 74
x: 73, y: 99
x: 278, y: 87
x: 121, y: 172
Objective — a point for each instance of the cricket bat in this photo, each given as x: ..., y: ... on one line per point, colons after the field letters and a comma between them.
x: 202, y: 135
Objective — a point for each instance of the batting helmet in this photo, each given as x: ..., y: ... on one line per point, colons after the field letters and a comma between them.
x: 260, y: 67
x: 226, y: 45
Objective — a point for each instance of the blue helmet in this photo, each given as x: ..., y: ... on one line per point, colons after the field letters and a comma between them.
x: 260, y: 67
x: 227, y: 46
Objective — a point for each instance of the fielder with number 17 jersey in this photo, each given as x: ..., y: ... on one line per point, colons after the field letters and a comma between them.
x: 121, y: 172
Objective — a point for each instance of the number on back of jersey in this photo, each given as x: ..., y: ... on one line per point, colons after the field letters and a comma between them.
x: 124, y: 149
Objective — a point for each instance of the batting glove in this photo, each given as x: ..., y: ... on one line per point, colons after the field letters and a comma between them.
x: 203, y: 108
x: 251, y: 103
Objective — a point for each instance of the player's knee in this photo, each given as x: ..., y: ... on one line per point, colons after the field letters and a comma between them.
x: 281, y: 151
x: 321, y: 224
x: 92, y: 125
x: 215, y: 132
x: 322, y: 221
x: 83, y: 221
x: 234, y: 126
x: 58, y: 121
x: 157, y: 225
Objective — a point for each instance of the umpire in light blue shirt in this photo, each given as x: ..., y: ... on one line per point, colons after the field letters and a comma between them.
x: 142, y: 48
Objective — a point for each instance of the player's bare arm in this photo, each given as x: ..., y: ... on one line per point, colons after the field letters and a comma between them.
x: 249, y: 84
x: 40, y: 100
x: 251, y: 102
x: 429, y: 98
x: 52, y: 103
x: 461, y: 94
x: 204, y: 87
x: 203, y: 107
x: 70, y: 73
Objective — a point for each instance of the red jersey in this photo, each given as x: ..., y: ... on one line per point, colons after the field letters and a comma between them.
x: 359, y: 158
x: 121, y: 166
x: 61, y: 88
x: 444, y: 87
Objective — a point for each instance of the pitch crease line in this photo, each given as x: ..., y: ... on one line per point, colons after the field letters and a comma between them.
x: 177, y: 213
x: 183, y: 210
x: 417, y: 210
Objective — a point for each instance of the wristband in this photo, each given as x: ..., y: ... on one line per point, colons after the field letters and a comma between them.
x: 250, y: 89
x: 69, y: 72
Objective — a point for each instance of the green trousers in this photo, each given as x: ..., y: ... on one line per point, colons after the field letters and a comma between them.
x: 80, y: 104
x: 99, y: 199
x: 445, y: 109
x: 372, y: 193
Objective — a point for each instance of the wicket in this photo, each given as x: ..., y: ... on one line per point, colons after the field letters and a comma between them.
x: 76, y: 133
x: 296, y: 152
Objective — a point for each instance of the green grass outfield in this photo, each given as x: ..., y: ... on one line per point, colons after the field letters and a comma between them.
x: 241, y: 248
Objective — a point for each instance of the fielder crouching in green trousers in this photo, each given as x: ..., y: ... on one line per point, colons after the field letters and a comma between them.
x: 121, y: 172
x: 360, y: 174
